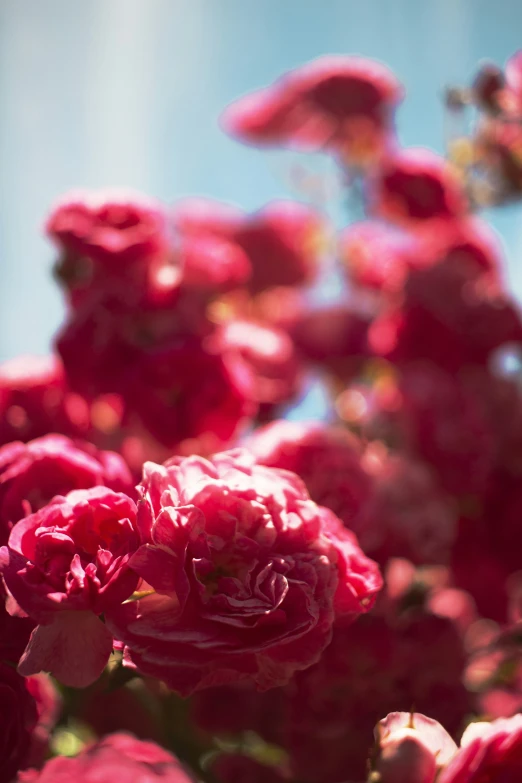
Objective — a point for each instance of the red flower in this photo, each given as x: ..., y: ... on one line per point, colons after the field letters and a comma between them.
x: 187, y: 392
x: 489, y: 753
x: 269, y: 354
x: 412, y: 748
x: 32, y: 474
x: 64, y: 565
x: 328, y: 459
x: 281, y: 241
x: 105, y: 237
x: 342, y: 103
x: 416, y: 185
x: 247, y: 572
x: 34, y: 400
x: 118, y: 757
x: 23, y: 722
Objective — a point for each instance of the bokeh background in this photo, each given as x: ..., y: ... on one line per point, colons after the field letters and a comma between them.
x: 101, y: 93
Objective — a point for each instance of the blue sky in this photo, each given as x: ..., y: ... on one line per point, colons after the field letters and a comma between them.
x: 127, y: 93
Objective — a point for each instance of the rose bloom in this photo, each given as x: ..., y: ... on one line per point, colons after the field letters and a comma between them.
x: 281, y: 241
x: 415, y: 185
x: 105, y: 238
x: 247, y: 575
x: 328, y: 459
x: 188, y: 392
x: 411, y: 748
x: 489, y: 753
x: 28, y: 712
x: 118, y: 757
x: 35, y: 400
x: 31, y: 474
x: 334, y: 338
x: 269, y: 354
x: 64, y: 565
x: 342, y: 103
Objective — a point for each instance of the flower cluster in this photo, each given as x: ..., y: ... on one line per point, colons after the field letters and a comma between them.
x: 195, y: 584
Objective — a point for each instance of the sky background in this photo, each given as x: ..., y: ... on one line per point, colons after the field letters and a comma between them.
x: 97, y: 93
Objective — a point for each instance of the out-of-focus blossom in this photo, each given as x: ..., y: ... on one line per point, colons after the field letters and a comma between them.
x: 24, y: 722
x: 489, y: 753
x: 189, y: 392
x: 106, y: 239
x: 327, y: 458
x: 116, y: 757
x: 34, y: 400
x: 248, y: 575
x: 32, y: 474
x: 64, y: 565
x: 341, y: 104
x: 269, y: 354
x: 414, y: 186
x: 334, y: 338
x: 282, y: 241
x: 411, y: 748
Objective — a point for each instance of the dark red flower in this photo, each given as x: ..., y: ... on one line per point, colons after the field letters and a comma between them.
x: 64, y: 565
x: 32, y: 474
x: 18, y: 721
x: 247, y: 575
x: 116, y: 757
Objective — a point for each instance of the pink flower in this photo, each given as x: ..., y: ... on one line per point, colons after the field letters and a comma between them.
x: 64, y: 565
x: 28, y: 713
x: 489, y: 753
x: 342, y: 103
x: 32, y: 474
x: 105, y: 237
x: 118, y: 757
x: 416, y: 185
x: 247, y: 573
x: 411, y: 748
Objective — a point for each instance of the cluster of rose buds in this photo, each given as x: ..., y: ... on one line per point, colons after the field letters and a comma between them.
x: 196, y: 585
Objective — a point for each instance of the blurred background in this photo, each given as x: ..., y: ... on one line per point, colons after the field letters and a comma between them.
x: 127, y: 93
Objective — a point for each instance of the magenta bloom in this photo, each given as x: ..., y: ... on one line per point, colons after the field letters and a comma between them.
x: 118, y: 757
x: 64, y: 565
x: 247, y: 572
x: 489, y: 753
x: 32, y: 474
x: 105, y: 237
x: 340, y: 103
x: 416, y: 185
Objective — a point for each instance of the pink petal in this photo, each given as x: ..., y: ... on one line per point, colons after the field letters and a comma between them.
x: 74, y: 648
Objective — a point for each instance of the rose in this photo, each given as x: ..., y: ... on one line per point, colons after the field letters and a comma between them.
x: 489, y: 752
x: 27, y: 713
x: 411, y: 748
x: 247, y: 574
x: 64, y: 565
x: 32, y: 474
x: 117, y: 757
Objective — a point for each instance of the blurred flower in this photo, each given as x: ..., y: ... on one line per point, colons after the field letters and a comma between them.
x: 489, y: 752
